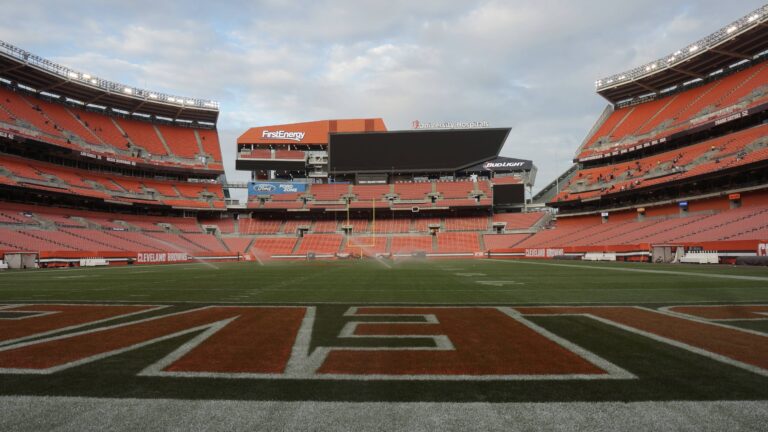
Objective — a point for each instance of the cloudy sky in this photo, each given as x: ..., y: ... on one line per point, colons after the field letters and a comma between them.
x: 526, y: 64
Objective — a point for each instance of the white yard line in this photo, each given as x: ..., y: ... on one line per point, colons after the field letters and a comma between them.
x: 672, y: 272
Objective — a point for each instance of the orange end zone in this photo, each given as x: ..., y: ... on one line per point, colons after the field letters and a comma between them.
x: 52, y: 317
x: 724, y: 312
x: 257, y: 340
x: 742, y: 346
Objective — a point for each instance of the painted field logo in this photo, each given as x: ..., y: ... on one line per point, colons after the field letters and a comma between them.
x: 372, y: 343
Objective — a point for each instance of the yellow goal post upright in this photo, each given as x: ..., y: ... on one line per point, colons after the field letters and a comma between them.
x: 361, y: 247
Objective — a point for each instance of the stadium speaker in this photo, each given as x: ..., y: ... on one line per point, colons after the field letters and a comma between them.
x: 414, y: 209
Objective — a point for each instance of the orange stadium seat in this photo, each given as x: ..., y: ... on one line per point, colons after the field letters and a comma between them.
x: 666, y: 115
x: 517, y: 221
x: 367, y: 245
x: 259, y: 226
x: 143, y: 135
x: 466, y: 223
x: 238, y: 244
x: 413, y: 191
x: 103, y: 127
x: 329, y: 192
x: 455, y: 189
x: 274, y: 245
x: 410, y: 244
x: 370, y: 192
x: 320, y: 244
x: 180, y: 140
x: 458, y: 242
x: 210, y: 141
x: 501, y: 241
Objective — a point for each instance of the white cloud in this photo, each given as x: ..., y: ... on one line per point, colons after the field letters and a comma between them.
x: 525, y: 64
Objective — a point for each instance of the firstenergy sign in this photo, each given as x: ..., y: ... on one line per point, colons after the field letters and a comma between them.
x: 282, y: 135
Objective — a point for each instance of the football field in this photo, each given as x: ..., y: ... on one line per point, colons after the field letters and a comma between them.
x: 382, y: 345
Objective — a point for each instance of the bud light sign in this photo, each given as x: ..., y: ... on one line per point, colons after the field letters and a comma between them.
x: 275, y: 188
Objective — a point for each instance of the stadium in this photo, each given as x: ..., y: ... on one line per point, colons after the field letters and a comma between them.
x: 412, y: 275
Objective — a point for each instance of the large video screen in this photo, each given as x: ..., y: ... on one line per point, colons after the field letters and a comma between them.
x: 513, y: 194
x: 408, y: 151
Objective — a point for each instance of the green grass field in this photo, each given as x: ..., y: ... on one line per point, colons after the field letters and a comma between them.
x: 655, y: 371
x: 413, y: 282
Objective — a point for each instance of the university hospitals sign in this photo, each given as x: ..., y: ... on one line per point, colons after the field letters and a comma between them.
x: 416, y: 124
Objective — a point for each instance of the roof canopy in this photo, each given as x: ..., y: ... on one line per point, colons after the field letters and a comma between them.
x: 740, y: 41
x: 43, y: 75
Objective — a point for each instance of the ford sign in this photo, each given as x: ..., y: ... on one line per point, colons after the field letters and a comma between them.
x: 274, y: 188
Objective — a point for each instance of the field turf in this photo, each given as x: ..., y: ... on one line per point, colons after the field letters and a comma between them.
x: 410, y: 282
x: 651, y: 373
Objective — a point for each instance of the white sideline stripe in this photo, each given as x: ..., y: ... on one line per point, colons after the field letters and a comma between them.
x: 36, y: 413
x: 499, y: 283
x: 678, y: 273
x: 41, y: 272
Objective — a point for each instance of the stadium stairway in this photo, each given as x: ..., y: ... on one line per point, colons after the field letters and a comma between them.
x: 297, y: 246
x: 222, y: 243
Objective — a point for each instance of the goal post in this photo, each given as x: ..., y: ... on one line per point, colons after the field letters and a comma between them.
x: 361, y: 247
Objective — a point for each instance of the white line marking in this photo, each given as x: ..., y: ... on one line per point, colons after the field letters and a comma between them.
x: 499, y: 283
x: 677, y: 273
